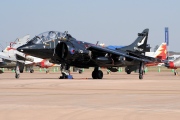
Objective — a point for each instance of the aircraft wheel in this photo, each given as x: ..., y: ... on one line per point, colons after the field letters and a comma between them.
x: 64, y: 76
x: 21, y: 71
x: 94, y: 76
x: 175, y: 73
x: 61, y: 77
x: 17, y: 76
x: 128, y: 72
x: 80, y: 71
x: 99, y: 74
x: 140, y: 76
x: 108, y: 72
x: 47, y: 71
x: 141, y: 70
x: 31, y: 71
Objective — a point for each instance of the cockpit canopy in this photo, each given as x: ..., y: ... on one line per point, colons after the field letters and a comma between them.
x: 47, y: 36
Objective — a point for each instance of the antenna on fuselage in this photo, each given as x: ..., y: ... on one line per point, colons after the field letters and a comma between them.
x: 97, y: 42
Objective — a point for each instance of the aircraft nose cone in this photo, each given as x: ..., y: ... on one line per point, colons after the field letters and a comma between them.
x: 22, y: 48
x: 166, y: 65
x: 170, y: 65
x: 19, y: 49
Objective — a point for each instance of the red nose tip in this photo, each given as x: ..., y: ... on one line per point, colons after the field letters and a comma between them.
x: 171, y: 64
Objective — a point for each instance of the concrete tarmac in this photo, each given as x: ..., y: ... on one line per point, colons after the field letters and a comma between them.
x: 40, y: 96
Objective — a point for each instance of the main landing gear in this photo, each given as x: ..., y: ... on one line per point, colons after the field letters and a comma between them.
x: 97, y: 74
x: 17, y: 71
x: 141, y: 70
x: 65, y: 72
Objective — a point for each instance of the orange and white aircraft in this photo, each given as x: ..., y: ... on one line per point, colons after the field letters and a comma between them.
x: 161, y: 53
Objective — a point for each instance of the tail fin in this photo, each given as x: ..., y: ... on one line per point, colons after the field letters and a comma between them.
x: 161, y: 52
x: 139, y: 45
x: 20, y: 41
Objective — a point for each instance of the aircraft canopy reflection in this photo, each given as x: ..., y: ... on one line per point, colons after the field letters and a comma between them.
x: 46, y: 37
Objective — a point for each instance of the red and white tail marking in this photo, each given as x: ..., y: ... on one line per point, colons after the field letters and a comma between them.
x: 161, y: 52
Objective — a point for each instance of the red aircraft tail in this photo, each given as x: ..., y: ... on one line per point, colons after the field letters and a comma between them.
x: 161, y: 52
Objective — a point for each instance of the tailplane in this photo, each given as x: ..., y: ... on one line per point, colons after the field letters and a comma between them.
x: 139, y: 45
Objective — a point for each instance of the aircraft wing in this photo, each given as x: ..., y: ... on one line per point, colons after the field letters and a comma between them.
x: 152, y: 59
x: 106, y: 50
x: 10, y: 59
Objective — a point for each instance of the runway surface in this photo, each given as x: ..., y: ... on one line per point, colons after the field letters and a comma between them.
x: 118, y: 96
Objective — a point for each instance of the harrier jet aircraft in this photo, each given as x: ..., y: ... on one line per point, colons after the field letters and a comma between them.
x: 62, y: 48
x: 161, y: 54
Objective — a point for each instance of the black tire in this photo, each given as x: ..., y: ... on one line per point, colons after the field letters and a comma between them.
x: 94, y: 76
x: 31, y: 71
x: 175, y: 73
x: 21, y: 71
x: 63, y: 76
x: 128, y: 72
x: 140, y: 76
x: 17, y: 76
x: 47, y: 71
x: 99, y: 74
x: 80, y: 71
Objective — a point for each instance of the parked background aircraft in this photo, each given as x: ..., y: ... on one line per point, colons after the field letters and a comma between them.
x: 173, y: 62
x: 63, y: 49
x: 9, y: 57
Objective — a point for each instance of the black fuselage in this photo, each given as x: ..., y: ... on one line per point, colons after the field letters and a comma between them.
x: 74, y: 53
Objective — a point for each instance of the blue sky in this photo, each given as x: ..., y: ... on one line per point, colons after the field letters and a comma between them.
x: 113, y: 22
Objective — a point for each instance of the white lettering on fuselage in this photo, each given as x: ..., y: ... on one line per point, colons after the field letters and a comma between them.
x: 138, y: 49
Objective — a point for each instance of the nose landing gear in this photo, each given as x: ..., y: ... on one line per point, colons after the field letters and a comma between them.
x: 65, y: 72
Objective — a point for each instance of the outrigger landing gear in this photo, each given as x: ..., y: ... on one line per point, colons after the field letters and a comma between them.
x: 141, y: 70
x: 65, y: 72
x: 17, y: 72
x: 175, y: 72
x: 97, y: 74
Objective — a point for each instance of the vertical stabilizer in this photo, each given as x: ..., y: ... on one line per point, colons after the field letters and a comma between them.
x: 139, y: 45
x: 161, y: 52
